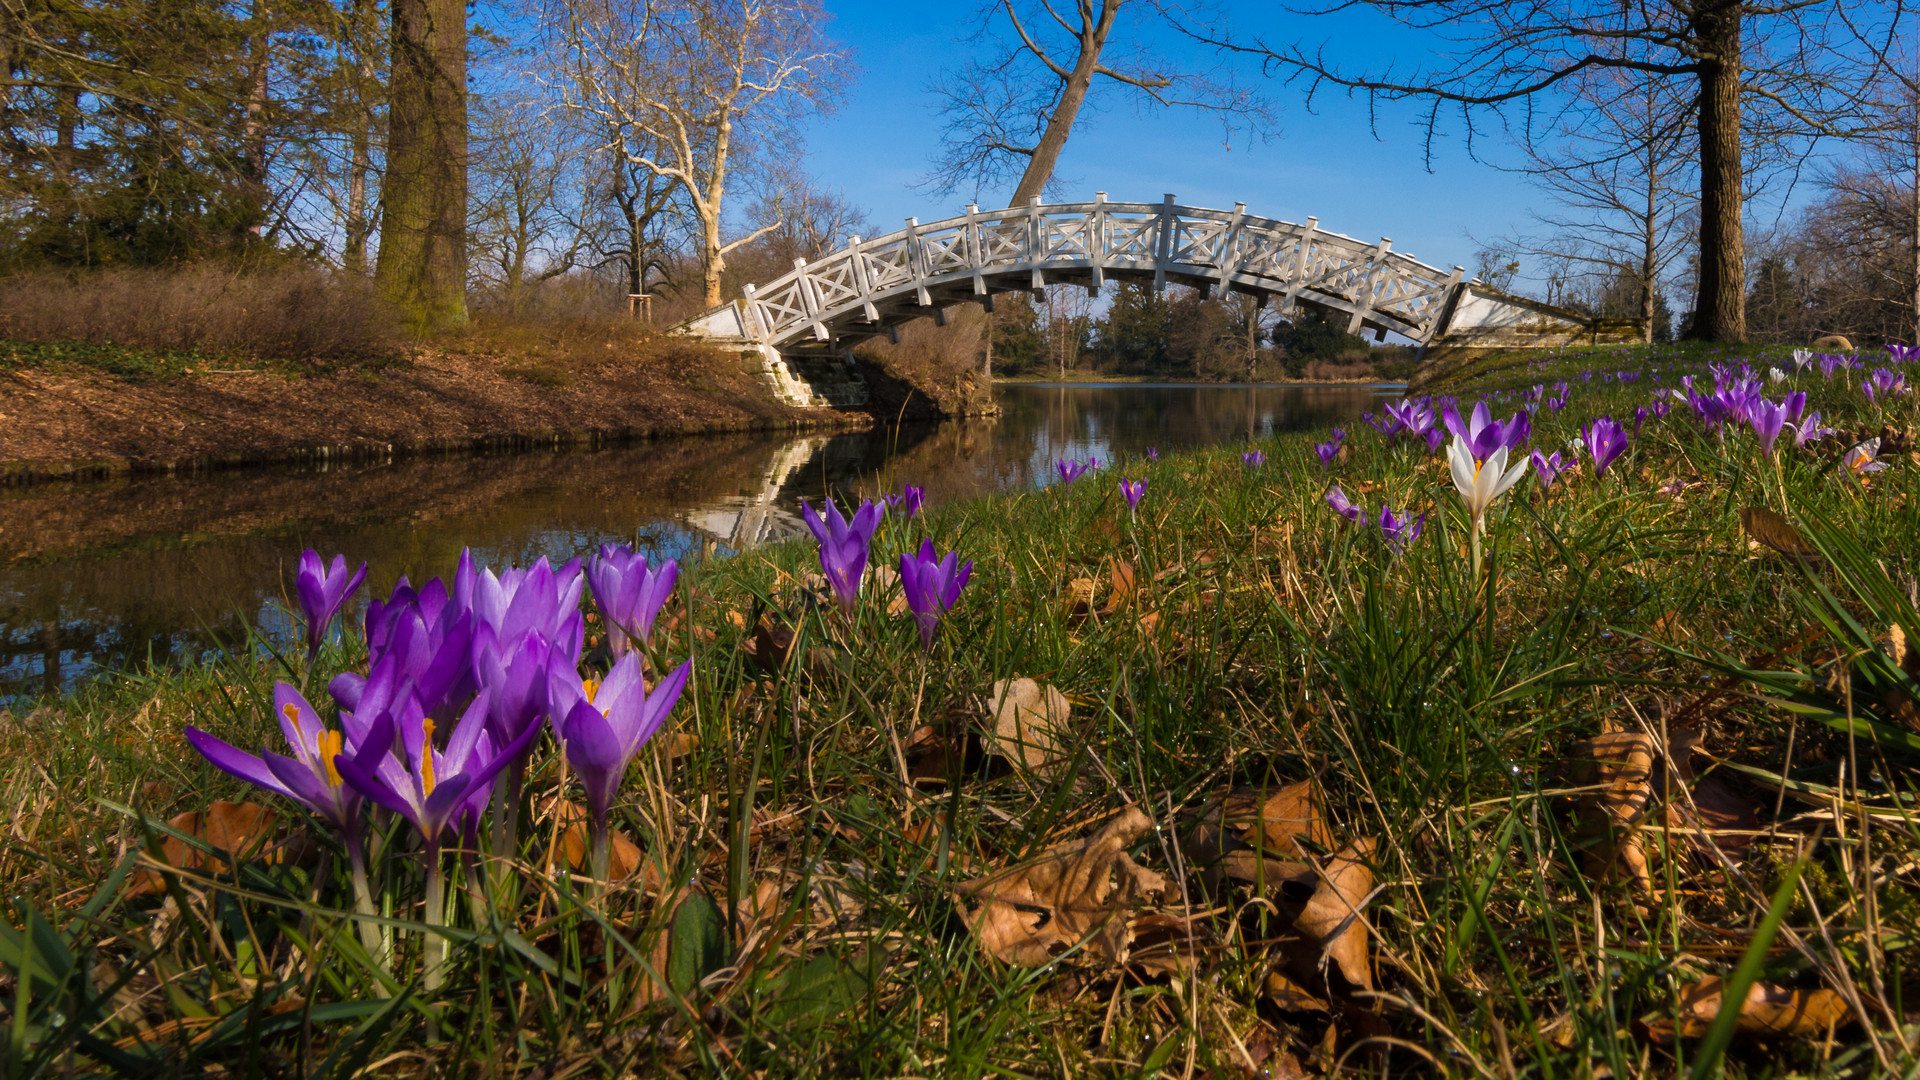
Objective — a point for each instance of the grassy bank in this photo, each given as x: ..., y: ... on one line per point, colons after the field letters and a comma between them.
x: 1306, y: 800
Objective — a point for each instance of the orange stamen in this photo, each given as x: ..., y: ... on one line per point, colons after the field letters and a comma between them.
x: 592, y: 687
x: 426, y: 757
x: 330, y: 747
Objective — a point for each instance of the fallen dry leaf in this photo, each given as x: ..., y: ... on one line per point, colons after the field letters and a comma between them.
x: 1609, y: 820
x: 242, y: 829
x: 1029, y: 722
x: 1237, y: 836
x: 623, y: 855
x: 1899, y: 704
x: 1077, y: 891
x: 1768, y: 1012
x: 1332, y: 917
x: 1768, y: 532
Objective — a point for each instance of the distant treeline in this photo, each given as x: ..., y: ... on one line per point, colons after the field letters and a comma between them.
x: 1179, y: 333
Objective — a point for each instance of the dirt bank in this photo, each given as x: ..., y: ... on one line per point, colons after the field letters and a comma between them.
x: 72, y: 420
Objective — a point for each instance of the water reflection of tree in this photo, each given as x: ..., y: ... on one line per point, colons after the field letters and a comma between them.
x: 109, y: 574
x: 104, y: 575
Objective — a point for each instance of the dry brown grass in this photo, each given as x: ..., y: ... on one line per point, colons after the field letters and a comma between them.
x: 288, y: 313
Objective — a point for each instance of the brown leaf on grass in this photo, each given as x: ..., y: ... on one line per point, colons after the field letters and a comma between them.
x: 1030, y: 721
x: 1768, y: 1012
x: 770, y: 645
x: 1238, y: 835
x: 245, y: 830
x: 1332, y: 918
x: 1899, y: 704
x: 1768, y: 532
x: 624, y: 857
x: 1621, y: 765
x: 1291, y: 996
x: 1077, y: 891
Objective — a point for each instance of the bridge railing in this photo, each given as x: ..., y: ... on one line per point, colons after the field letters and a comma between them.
x: 920, y: 268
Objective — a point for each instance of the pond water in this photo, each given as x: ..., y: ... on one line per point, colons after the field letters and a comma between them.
x: 107, y: 576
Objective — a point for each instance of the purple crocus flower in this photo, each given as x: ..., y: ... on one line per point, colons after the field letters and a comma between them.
x: 310, y: 777
x: 1253, y: 459
x: 1831, y: 365
x: 1435, y: 436
x: 843, y: 547
x: 428, y: 786
x: 1131, y: 490
x: 1808, y: 429
x: 1902, y: 354
x: 1400, y: 532
x: 427, y: 639
x: 629, y: 593
x: 907, y: 500
x: 1767, y: 419
x: 932, y: 586
x: 323, y: 591
x: 1411, y: 416
x: 1071, y: 470
x: 1659, y: 409
x: 1548, y: 469
x: 1329, y: 449
x: 1606, y: 441
x: 1153, y: 453
x: 538, y: 599
x: 1482, y: 435
x: 1338, y: 500
x: 1883, y: 383
x: 605, y: 727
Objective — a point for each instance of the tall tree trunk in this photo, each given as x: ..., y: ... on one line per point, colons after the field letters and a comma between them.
x: 359, y: 223
x: 422, y: 268
x: 1719, y: 307
x: 1915, y: 132
x: 253, y: 166
x: 1046, y: 155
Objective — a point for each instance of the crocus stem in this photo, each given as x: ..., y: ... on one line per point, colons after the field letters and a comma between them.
x: 1476, y: 552
x: 435, y: 946
x: 476, y: 881
x: 597, y: 864
x: 370, y: 936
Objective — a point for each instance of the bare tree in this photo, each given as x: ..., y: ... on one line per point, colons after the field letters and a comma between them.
x: 1619, y: 164
x: 525, y: 174
x: 692, y: 88
x: 1784, y: 66
x: 1011, y: 115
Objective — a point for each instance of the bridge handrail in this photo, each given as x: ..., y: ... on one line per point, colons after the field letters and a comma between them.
x: 1375, y: 284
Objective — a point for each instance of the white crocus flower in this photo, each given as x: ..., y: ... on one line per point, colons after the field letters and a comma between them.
x: 1776, y: 375
x: 1481, y: 483
x: 1802, y: 359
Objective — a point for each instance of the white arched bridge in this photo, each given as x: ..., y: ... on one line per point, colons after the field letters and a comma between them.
x: 871, y: 287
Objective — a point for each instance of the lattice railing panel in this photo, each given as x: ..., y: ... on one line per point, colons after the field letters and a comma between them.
x: 1131, y: 239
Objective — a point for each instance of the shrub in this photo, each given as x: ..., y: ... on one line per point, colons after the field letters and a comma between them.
x: 284, y: 313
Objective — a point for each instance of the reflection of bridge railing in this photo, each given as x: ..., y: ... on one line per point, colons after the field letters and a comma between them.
x: 872, y: 286
x: 755, y: 516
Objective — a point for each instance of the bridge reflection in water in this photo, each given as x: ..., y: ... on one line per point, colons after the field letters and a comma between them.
x: 107, y: 576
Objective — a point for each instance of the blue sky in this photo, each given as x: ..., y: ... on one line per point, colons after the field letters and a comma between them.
x: 1325, y: 163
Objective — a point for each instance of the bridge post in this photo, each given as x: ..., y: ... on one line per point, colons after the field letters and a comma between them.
x: 810, y: 299
x: 862, y: 280
x: 1163, y: 244
x: 974, y: 257
x: 1036, y: 248
x: 1363, y: 295
x: 1097, y: 244
x: 1227, y: 256
x: 1303, y: 260
x: 917, y: 261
